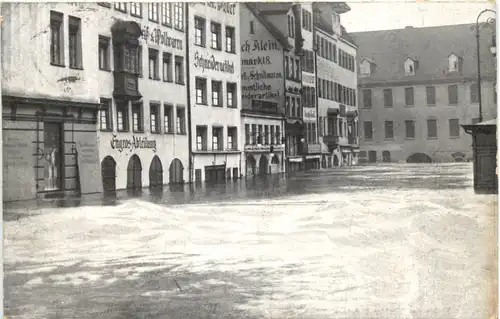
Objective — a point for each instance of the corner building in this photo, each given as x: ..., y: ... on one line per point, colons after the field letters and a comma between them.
x: 214, y: 91
x: 50, y: 98
x: 142, y: 125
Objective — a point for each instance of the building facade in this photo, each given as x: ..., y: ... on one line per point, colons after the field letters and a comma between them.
x: 142, y: 125
x: 337, y: 87
x: 262, y: 85
x: 214, y: 91
x: 416, y: 87
x: 50, y: 97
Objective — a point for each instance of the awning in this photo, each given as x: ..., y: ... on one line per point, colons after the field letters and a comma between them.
x: 352, y: 113
x: 332, y: 111
x: 313, y: 157
x: 295, y: 159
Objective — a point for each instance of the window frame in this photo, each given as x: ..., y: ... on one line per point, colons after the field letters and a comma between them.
x: 140, y: 120
x: 388, y: 94
x: 365, y: 136
x: 180, y: 116
x: 57, y: 38
x: 436, y: 126
x: 166, y: 14
x: 406, y: 129
x: 453, y: 94
x: 121, y: 6
x: 122, y: 106
x: 168, y: 113
x: 179, y: 79
x: 156, y: 125
x: 232, y: 88
x: 108, y: 112
x: 202, y: 81
x: 154, y: 16
x: 105, y: 42
x: 155, y: 76
x: 136, y: 6
x: 178, y: 21
x: 76, y: 59
x: 450, y: 121
x: 216, y: 87
x: 202, y: 28
x: 430, y: 89
x: 216, y: 29
x: 232, y: 37
x: 412, y: 90
x: 386, y: 128
x: 167, y: 64
x: 365, y: 99
x: 201, y: 131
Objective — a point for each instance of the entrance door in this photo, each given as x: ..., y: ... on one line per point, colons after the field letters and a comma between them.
x: 263, y: 165
x: 215, y: 174
x: 155, y: 173
x: 53, y: 155
x: 108, y: 172
x: 134, y: 173
x: 176, y: 172
x: 372, y: 156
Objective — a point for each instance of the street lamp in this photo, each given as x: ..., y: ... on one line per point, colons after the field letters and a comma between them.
x: 479, y: 63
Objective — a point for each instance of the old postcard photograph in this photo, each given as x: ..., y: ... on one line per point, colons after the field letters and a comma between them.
x: 301, y: 160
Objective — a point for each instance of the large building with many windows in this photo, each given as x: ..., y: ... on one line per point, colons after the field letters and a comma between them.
x: 50, y: 97
x: 337, y: 86
x: 416, y: 87
x: 142, y: 133
x: 214, y: 91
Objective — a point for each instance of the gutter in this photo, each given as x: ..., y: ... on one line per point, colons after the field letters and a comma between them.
x: 188, y: 89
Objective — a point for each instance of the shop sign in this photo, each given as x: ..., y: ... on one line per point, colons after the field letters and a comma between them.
x: 308, y: 79
x: 210, y: 63
x: 226, y: 7
x: 157, y: 36
x: 134, y: 143
x: 309, y: 114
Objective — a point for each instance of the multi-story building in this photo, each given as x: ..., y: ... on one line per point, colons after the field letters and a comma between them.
x: 214, y: 90
x: 417, y: 86
x: 141, y: 60
x: 337, y: 86
x: 50, y: 97
x: 262, y: 84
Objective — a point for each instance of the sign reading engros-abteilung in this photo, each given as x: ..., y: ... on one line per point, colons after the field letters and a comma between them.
x: 210, y: 63
x: 133, y: 143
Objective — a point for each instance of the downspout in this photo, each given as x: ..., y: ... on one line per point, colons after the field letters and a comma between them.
x: 285, y: 136
x: 188, y: 89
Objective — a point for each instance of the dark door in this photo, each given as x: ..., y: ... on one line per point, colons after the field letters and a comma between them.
x: 176, y: 172
x: 215, y: 174
x: 108, y: 172
x: 263, y: 165
x: 372, y: 156
x: 155, y: 173
x: 386, y: 156
x: 134, y: 173
x: 53, y: 155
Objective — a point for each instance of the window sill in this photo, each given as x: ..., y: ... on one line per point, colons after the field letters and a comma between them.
x: 168, y: 81
x: 136, y: 15
x: 454, y: 137
x: 231, y: 52
x: 410, y: 105
x: 432, y: 138
x: 154, y: 21
x: 213, y: 105
x: 232, y: 106
x: 122, y: 131
x: 76, y: 68
x: 106, y: 70
x: 216, y: 49
x: 139, y: 131
x: 124, y: 11
x: 203, y: 103
x: 58, y: 65
x: 179, y: 29
x: 155, y: 79
x: 180, y: 83
x: 156, y: 133
x: 389, y: 139
x: 410, y: 138
x: 182, y: 133
x: 169, y: 133
x: 200, y: 45
x: 431, y: 105
x: 108, y: 130
x: 168, y: 25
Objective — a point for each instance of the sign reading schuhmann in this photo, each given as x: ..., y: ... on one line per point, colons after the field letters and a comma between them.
x: 133, y: 143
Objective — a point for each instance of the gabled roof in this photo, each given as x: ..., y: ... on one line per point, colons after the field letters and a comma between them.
x: 432, y: 46
x: 282, y: 39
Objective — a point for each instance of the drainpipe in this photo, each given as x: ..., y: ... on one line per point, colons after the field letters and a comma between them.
x: 188, y: 89
x: 316, y: 90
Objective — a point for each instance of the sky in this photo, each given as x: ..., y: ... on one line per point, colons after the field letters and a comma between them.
x: 385, y: 15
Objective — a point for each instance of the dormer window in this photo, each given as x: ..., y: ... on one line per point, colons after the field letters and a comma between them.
x: 409, y: 66
x: 365, y: 68
x: 453, y: 63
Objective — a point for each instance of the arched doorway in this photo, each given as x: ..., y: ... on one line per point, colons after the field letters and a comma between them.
x: 251, y: 165
x: 419, y: 158
x: 176, y: 171
x: 335, y: 161
x: 386, y: 156
x: 134, y: 173
x: 108, y: 172
x: 263, y: 165
x: 155, y: 173
x: 275, y: 164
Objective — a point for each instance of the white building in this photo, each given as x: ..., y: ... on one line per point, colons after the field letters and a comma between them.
x: 142, y: 131
x: 214, y: 91
x: 337, y: 86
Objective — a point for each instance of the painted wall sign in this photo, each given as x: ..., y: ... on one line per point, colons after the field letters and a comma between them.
x: 157, y: 36
x: 134, y: 143
x: 226, y: 7
x: 309, y: 114
x: 308, y: 79
x: 210, y: 63
x: 260, y: 45
x: 259, y: 91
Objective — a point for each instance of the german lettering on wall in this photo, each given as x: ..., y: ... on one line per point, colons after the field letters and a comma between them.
x: 210, y: 63
x: 157, y: 36
x: 262, y: 70
x: 226, y: 7
x: 309, y: 114
x: 133, y: 143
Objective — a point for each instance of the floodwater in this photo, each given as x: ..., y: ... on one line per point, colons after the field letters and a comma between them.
x: 385, y: 241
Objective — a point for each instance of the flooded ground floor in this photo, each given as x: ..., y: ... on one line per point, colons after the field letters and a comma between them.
x: 382, y: 241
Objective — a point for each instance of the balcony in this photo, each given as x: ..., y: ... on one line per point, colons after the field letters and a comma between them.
x: 126, y: 86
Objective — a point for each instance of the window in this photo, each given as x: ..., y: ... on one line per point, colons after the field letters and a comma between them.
x: 410, y: 129
x: 453, y: 63
x: 216, y: 93
x: 409, y: 67
x: 166, y: 13
x: 217, y: 138
x: 136, y: 9
x: 367, y: 98
x: 453, y: 94
x: 201, y: 138
x: 178, y: 16
x: 474, y: 97
x: 75, y: 42
x: 179, y: 69
x: 215, y: 30
x: 431, y: 128
x: 291, y: 26
x: 297, y: 69
x: 254, y: 134
x: 247, y: 134
x: 252, y: 30
x: 368, y: 129
x: 56, y: 38
x: 105, y: 120
x: 278, y: 135
x: 454, y: 128
x: 306, y: 20
x: 271, y: 135
x: 199, y: 31
x: 122, y: 116
x: 167, y: 118
x: 313, y: 132
x: 104, y: 53
x: 121, y: 6
x: 105, y: 4
x: 431, y: 95
x: 266, y: 134
x: 167, y: 67
x: 153, y: 11
x: 153, y: 64
x: 231, y: 95
x: 137, y: 118
x: 201, y: 91
x: 409, y: 98
x: 388, y: 97
x: 154, y: 115
x: 232, y: 138
x: 181, y: 120
x: 230, y: 40
x: 389, y: 129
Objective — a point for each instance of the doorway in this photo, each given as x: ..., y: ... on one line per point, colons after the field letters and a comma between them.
x: 108, y: 172
x: 134, y: 173
x: 215, y: 174
x: 263, y: 165
x: 53, y: 156
x: 176, y: 172
x: 155, y: 173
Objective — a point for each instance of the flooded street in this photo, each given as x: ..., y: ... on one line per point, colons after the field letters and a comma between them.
x: 385, y: 241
